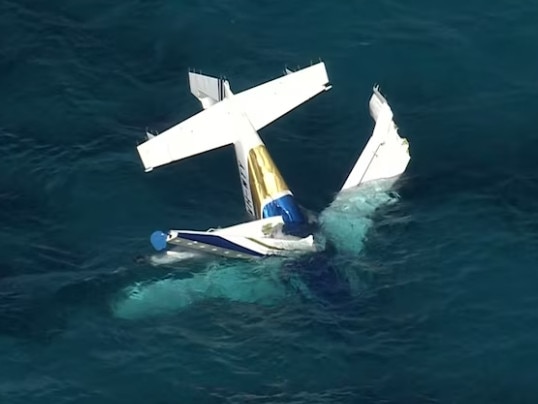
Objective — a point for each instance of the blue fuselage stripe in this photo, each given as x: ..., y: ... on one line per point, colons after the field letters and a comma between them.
x: 286, y: 207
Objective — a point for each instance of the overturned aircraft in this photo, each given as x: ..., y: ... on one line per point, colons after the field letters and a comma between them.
x: 279, y: 226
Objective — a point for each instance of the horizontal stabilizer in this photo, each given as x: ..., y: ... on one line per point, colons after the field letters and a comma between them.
x: 267, y: 102
x: 210, y: 129
x: 227, y: 118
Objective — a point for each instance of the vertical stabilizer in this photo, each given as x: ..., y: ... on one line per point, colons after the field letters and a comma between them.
x: 209, y: 90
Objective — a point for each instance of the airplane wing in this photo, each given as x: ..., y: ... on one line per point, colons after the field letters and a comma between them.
x: 386, y: 154
x: 266, y: 102
x: 209, y: 129
x: 383, y: 125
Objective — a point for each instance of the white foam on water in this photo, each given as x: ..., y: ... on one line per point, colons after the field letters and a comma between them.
x: 172, y: 257
x: 346, y: 221
x: 248, y: 282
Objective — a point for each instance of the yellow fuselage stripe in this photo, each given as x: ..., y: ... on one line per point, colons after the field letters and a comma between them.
x: 265, y: 180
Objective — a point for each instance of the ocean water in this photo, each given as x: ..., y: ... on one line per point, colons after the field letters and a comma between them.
x: 430, y: 293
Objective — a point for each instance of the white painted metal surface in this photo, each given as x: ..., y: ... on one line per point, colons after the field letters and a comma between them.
x: 234, y: 119
x: 386, y: 154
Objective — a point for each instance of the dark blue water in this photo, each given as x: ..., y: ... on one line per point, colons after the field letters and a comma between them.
x: 437, y: 303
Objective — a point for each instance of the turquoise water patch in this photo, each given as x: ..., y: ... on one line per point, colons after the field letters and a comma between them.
x: 250, y: 282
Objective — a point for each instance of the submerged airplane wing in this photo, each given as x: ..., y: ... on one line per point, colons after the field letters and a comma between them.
x: 266, y: 102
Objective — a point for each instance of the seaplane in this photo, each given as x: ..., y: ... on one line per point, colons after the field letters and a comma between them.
x: 278, y: 225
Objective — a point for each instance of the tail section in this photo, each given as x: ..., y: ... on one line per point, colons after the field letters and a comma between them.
x: 265, y: 192
x: 228, y: 119
x: 266, y: 102
x: 208, y: 130
x: 208, y: 89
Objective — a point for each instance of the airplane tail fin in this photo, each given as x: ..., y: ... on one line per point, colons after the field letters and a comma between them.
x: 208, y: 89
